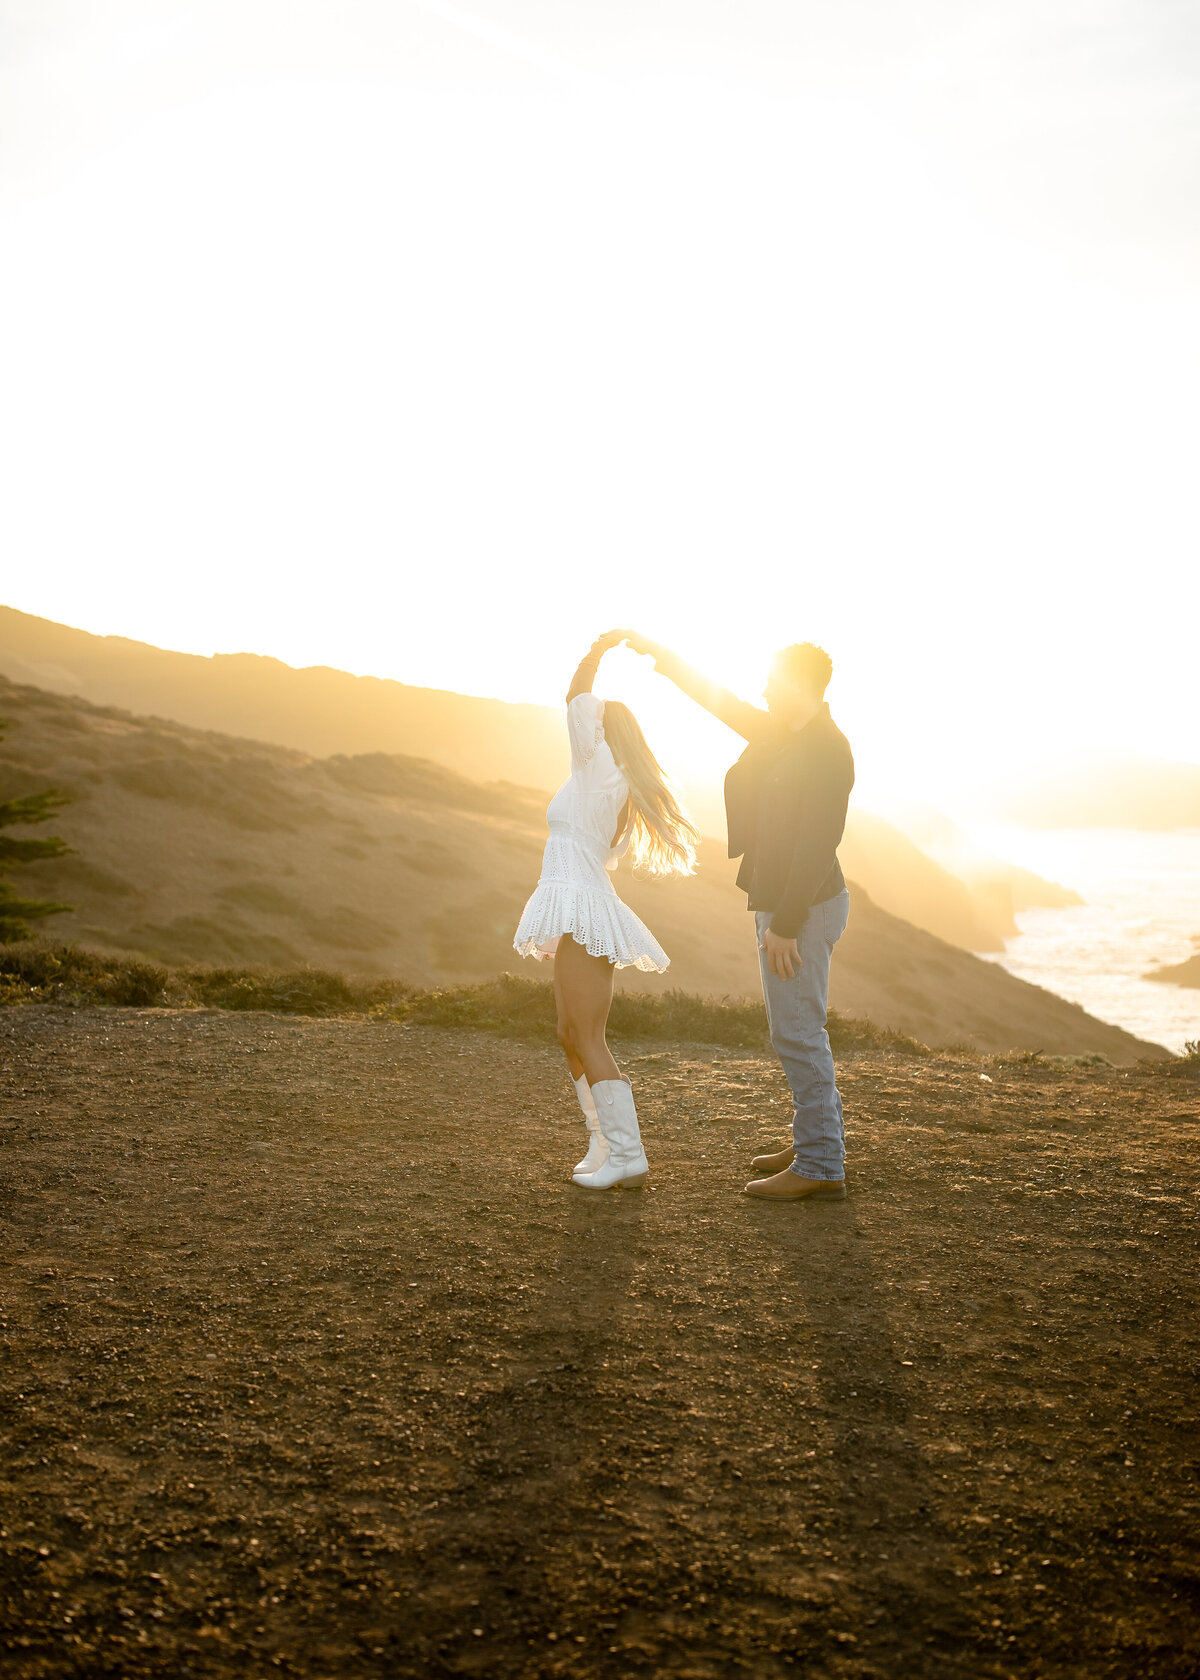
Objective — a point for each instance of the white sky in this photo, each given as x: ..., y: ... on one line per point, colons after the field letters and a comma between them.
x: 428, y: 339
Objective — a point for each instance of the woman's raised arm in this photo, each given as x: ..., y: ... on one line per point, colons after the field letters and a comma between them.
x: 585, y: 673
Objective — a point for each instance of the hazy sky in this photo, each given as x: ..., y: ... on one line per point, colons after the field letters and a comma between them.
x: 429, y: 339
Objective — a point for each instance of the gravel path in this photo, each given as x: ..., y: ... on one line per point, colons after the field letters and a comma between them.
x: 318, y: 1366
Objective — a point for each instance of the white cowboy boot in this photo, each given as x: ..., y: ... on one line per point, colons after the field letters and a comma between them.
x: 626, y: 1166
x: 597, y: 1152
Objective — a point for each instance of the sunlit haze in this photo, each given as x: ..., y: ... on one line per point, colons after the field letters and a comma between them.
x: 429, y: 340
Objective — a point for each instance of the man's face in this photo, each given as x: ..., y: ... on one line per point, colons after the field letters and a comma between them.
x: 788, y: 700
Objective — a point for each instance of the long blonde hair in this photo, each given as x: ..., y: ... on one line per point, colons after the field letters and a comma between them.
x: 664, y: 838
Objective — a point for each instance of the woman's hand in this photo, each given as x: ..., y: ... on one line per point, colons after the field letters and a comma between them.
x: 602, y: 644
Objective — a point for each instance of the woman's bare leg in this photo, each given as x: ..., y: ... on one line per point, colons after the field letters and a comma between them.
x: 564, y: 1033
x: 583, y: 990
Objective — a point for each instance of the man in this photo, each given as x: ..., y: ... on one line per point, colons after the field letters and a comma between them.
x: 785, y: 800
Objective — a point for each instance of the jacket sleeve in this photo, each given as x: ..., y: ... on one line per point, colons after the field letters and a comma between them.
x: 817, y: 835
x: 748, y: 721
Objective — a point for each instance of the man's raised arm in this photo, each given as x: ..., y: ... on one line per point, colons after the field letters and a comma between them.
x: 739, y: 715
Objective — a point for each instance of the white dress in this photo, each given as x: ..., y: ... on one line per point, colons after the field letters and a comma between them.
x: 575, y: 893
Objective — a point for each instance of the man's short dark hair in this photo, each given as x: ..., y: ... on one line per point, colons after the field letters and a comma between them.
x: 806, y: 663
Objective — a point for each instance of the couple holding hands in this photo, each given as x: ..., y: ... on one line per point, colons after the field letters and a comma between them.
x: 785, y: 801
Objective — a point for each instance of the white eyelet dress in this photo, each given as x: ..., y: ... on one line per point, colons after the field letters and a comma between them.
x: 575, y: 893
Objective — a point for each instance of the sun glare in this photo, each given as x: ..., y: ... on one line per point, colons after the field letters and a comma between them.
x: 436, y: 377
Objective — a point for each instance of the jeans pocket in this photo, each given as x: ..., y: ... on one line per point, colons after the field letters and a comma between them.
x: 836, y: 913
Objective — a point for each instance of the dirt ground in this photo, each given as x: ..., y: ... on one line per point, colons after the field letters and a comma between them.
x: 317, y: 1365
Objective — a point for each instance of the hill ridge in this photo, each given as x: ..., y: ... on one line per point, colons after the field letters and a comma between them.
x: 321, y: 710
x: 197, y: 846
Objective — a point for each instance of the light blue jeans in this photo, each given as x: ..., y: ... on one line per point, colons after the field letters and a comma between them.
x: 796, y: 1014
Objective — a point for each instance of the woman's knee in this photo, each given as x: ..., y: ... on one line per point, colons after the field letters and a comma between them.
x: 585, y: 1038
x: 566, y: 1037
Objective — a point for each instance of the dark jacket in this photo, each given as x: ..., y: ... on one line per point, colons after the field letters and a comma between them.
x: 785, y: 800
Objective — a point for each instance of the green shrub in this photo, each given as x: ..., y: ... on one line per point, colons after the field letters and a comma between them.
x: 295, y: 991
x: 512, y: 1004
x: 70, y: 974
x: 16, y: 912
x: 518, y: 1006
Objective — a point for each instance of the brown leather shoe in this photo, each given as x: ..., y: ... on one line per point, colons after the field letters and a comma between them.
x: 787, y: 1186
x: 774, y: 1163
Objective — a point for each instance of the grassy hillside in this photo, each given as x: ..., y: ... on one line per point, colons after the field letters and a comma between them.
x: 320, y: 712
x: 193, y: 847
x: 906, y: 880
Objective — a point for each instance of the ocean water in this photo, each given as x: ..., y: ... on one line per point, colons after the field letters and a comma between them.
x: 1142, y: 908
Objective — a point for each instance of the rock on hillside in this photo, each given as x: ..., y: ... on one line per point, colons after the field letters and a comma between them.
x: 1185, y: 973
x: 194, y: 846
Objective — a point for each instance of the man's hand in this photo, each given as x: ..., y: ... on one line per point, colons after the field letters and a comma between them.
x: 783, y: 955
x: 602, y: 644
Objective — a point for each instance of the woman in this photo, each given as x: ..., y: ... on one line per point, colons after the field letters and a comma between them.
x: 616, y: 799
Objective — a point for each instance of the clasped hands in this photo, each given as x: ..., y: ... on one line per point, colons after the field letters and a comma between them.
x: 613, y: 638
